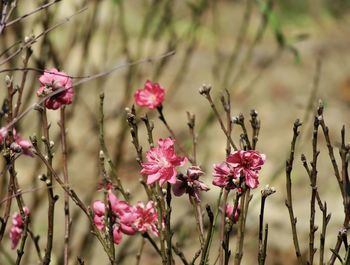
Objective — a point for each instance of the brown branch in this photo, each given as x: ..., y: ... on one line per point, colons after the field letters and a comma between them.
x: 289, y: 200
x: 67, y: 220
x: 51, y: 197
x: 191, y: 123
x: 40, y: 8
x: 344, y: 151
x: 106, y: 153
x: 182, y: 149
x: 208, y: 239
x: 245, y: 200
x: 267, y: 191
x: 313, y: 179
x: 205, y: 91
x: 31, y: 40
x: 329, y: 146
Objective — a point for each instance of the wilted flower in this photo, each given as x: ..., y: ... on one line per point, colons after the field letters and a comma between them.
x: 162, y: 162
x: 231, y: 212
x: 51, y: 81
x: 147, y: 218
x: 17, y: 227
x: 151, y: 96
x: 239, y: 165
x: 190, y: 183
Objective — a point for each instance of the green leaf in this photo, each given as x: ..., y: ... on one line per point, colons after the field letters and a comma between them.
x: 273, y: 21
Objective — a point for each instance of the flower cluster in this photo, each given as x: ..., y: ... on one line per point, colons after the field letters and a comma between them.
x: 239, y: 167
x: 51, y: 81
x: 162, y: 162
x: 17, y: 227
x: 124, y: 218
x: 190, y: 183
x: 151, y: 96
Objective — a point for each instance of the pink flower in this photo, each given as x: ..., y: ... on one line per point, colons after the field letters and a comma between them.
x: 231, y: 212
x: 161, y: 163
x: 122, y: 217
x: 3, y: 134
x: 147, y: 218
x: 19, y: 144
x: 99, y: 214
x: 190, y: 183
x: 17, y: 227
x: 51, y: 81
x: 25, y: 145
x: 151, y: 96
x: 224, y: 176
x: 117, y: 235
x: 239, y: 166
x: 248, y: 165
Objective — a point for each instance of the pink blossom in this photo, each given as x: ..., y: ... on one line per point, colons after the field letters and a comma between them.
x: 151, y: 96
x: 147, y: 218
x: 122, y: 216
x: 247, y: 164
x: 17, y: 227
x: 51, y: 81
x: 162, y: 162
x: 231, y: 212
x: 239, y: 166
x: 19, y: 143
x: 3, y: 134
x: 190, y: 183
x: 117, y: 235
x: 25, y: 145
x: 99, y: 214
x: 224, y: 176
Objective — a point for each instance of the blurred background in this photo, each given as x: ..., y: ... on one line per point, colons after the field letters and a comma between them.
x: 264, y: 52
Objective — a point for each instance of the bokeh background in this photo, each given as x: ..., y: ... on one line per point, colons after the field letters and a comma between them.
x: 264, y: 52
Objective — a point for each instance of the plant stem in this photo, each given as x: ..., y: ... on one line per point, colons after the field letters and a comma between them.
x: 51, y: 197
x: 245, y: 200
x: 222, y: 227
x: 289, y: 200
x: 66, y: 182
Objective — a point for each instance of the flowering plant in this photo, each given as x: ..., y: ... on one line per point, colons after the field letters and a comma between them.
x: 53, y: 80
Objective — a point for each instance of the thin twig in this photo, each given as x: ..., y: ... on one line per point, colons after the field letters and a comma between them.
x: 313, y: 179
x: 267, y: 191
x: 162, y: 118
x: 208, y: 239
x: 105, y: 150
x: 245, y: 200
x: 66, y: 181
x: 205, y: 91
x: 289, y: 200
x: 191, y: 123
x: 40, y: 8
x: 51, y: 197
